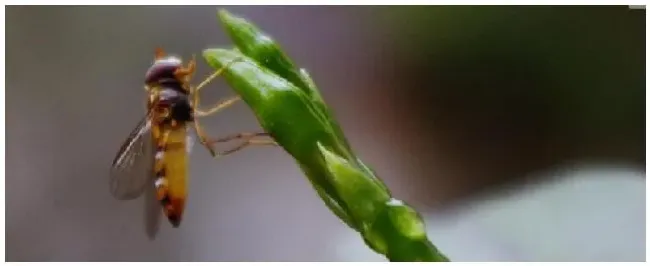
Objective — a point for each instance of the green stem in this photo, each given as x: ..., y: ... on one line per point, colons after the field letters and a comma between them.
x: 290, y: 108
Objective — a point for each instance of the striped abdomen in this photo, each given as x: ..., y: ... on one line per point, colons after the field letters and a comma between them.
x: 171, y: 171
x: 171, y: 158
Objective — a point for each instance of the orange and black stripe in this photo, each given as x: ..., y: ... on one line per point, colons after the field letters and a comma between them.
x: 171, y: 171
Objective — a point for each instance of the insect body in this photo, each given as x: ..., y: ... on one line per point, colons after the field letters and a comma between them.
x: 155, y: 155
x: 171, y: 114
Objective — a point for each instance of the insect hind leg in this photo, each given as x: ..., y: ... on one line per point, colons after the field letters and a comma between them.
x: 249, y: 139
x: 203, y: 138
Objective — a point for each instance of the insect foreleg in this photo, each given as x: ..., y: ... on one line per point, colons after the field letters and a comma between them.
x: 159, y: 53
x: 185, y: 73
x: 215, y: 74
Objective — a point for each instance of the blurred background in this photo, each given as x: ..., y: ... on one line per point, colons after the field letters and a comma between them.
x: 517, y: 132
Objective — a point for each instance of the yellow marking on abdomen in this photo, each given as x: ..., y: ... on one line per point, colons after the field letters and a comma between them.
x: 176, y: 161
x: 171, y: 172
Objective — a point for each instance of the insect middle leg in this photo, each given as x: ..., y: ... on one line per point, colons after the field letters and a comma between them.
x: 216, y: 108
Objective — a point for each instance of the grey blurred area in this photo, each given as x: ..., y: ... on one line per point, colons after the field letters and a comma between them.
x: 517, y: 132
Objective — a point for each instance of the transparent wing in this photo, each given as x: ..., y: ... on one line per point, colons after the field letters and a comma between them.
x: 152, y: 211
x: 131, y: 168
x: 152, y: 207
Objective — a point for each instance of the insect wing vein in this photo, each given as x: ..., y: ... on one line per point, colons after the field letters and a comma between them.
x: 130, y: 169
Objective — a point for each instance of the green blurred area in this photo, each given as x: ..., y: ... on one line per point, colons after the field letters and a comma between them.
x: 585, y: 64
x: 544, y: 84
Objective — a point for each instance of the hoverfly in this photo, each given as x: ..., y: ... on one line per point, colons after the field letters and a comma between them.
x: 154, y: 157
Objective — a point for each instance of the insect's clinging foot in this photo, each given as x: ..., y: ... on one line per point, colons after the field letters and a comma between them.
x: 216, y: 74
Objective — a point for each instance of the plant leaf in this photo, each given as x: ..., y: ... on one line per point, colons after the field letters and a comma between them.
x: 290, y: 108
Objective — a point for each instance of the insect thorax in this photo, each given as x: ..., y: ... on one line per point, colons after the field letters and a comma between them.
x: 171, y: 103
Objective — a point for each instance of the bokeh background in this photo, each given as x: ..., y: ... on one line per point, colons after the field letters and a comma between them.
x: 517, y: 132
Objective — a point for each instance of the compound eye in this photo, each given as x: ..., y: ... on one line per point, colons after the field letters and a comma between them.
x: 162, y: 69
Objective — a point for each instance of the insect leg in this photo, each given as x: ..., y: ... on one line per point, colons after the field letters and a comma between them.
x: 215, y: 74
x: 249, y: 140
x: 198, y: 113
x: 242, y: 135
x: 199, y: 130
x: 246, y: 144
x: 159, y: 53
x: 185, y: 73
x: 218, y: 107
x: 203, y: 138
